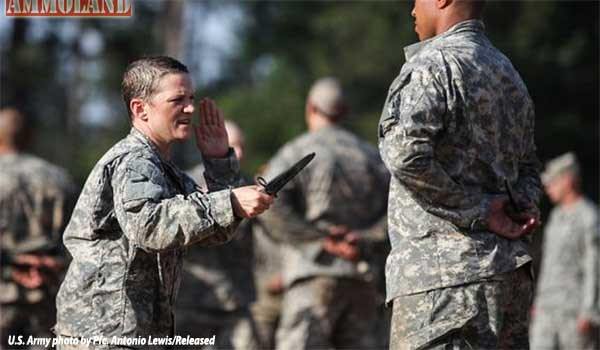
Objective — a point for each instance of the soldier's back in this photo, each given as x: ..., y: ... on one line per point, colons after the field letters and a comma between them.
x: 346, y: 182
x: 35, y: 197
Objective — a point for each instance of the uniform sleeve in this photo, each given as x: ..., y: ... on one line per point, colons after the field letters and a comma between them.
x: 529, y: 186
x: 154, y: 220
x: 590, y: 306
x: 376, y: 233
x: 285, y: 218
x: 407, y: 149
x: 222, y: 173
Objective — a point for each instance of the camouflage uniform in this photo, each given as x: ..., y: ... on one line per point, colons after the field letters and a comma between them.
x: 217, y: 289
x: 35, y: 199
x: 457, y: 121
x: 266, y: 310
x: 569, y: 279
x: 127, y: 235
x: 330, y: 302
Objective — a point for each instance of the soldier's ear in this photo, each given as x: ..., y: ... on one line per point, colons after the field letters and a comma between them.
x: 138, y: 109
x: 443, y: 3
x: 311, y: 108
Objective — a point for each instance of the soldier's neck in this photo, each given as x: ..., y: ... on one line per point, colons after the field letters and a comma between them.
x: 8, y: 149
x: 451, y: 20
x: 571, y: 198
x: 317, y: 123
x: 163, y: 148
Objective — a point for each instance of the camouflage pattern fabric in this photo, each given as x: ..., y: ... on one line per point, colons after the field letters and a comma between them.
x: 135, y: 216
x: 489, y: 314
x: 217, y: 288
x: 457, y: 122
x: 551, y: 329
x: 232, y: 329
x: 35, y: 202
x: 345, y: 184
x: 268, y: 259
x: 568, y: 287
x: 328, y: 313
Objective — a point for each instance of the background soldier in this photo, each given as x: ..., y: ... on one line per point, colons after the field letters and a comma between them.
x: 567, y: 303
x: 266, y: 310
x: 324, y: 216
x: 457, y: 122
x: 218, y: 285
x: 35, y: 200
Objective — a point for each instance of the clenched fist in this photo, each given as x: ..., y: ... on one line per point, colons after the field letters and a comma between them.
x: 249, y: 201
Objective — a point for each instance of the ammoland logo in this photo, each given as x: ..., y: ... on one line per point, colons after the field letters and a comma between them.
x: 68, y: 8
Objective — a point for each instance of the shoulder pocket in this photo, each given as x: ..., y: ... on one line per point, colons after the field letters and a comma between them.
x: 141, y: 185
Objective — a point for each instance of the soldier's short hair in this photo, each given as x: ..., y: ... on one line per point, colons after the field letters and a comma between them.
x: 141, y: 77
x: 327, y: 95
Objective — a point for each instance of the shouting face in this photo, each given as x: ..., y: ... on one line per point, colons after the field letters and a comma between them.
x: 169, y: 111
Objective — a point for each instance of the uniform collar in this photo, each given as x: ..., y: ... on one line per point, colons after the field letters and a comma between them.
x: 471, y: 25
x: 141, y: 137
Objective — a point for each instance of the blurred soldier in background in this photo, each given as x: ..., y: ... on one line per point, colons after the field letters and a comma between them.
x: 266, y: 310
x: 326, y: 217
x: 567, y: 303
x: 218, y: 286
x: 457, y: 126
x: 35, y: 202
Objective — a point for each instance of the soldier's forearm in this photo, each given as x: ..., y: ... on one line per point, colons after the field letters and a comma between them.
x: 429, y: 184
x: 285, y: 226
x: 180, y: 221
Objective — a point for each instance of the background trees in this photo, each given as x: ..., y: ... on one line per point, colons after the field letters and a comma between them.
x: 258, y: 58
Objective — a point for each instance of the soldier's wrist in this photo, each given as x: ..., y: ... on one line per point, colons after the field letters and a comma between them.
x: 481, y: 222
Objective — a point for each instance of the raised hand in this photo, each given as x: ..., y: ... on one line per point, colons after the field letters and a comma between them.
x: 211, y: 136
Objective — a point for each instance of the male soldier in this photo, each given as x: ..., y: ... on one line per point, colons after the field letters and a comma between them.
x: 138, y: 211
x: 217, y: 285
x: 567, y: 303
x: 266, y: 310
x: 323, y: 215
x: 458, y: 122
x: 35, y: 199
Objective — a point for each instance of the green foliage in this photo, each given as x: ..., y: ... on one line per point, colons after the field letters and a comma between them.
x: 284, y: 47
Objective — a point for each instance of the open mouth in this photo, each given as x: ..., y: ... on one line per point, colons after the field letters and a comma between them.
x: 186, y: 121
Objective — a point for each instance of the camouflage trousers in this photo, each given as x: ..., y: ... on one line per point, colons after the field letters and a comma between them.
x: 26, y: 320
x: 233, y: 329
x: 553, y: 329
x: 266, y: 312
x: 327, y: 312
x: 490, y: 314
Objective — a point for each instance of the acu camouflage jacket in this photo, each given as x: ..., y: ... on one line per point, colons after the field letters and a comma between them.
x: 136, y: 214
x: 457, y: 121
